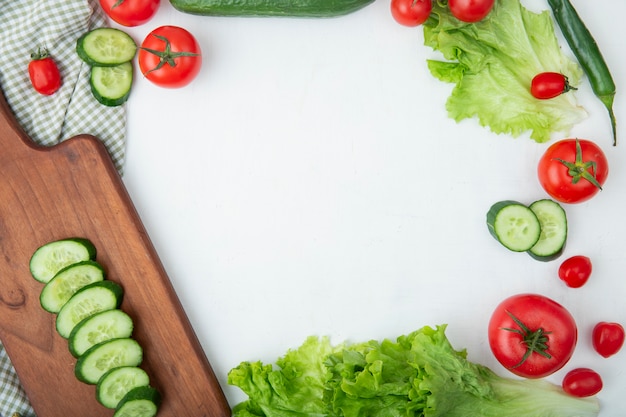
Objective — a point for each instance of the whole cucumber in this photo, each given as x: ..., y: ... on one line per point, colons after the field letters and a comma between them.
x: 284, y: 8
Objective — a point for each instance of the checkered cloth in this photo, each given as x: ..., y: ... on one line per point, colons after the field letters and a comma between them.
x: 25, y: 26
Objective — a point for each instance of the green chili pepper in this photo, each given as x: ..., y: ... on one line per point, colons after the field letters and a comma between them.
x: 588, y: 54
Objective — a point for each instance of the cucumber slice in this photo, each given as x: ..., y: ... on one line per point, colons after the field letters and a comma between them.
x: 111, y: 85
x: 105, y: 356
x: 89, y: 300
x: 553, y: 220
x: 67, y: 281
x: 54, y: 256
x: 100, y: 327
x: 139, y: 402
x: 514, y: 225
x: 106, y: 47
x: 117, y: 382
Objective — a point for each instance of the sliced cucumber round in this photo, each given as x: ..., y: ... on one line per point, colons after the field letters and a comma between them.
x: 553, y: 220
x: 67, y: 281
x: 98, y: 328
x: 139, y: 402
x: 106, y: 47
x: 54, y: 256
x: 514, y: 225
x: 89, y: 300
x: 105, y: 356
x: 117, y: 382
x: 111, y: 85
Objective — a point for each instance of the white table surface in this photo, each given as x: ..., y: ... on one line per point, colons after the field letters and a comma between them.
x: 309, y: 182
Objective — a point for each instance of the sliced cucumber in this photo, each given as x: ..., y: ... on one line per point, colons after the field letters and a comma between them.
x: 54, y: 256
x: 67, y: 281
x: 111, y: 85
x: 117, y: 382
x: 553, y: 221
x: 100, y: 327
x: 106, y: 47
x: 105, y: 356
x: 139, y: 402
x: 514, y: 225
x: 89, y: 300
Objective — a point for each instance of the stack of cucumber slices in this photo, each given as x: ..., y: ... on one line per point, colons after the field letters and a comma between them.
x: 109, y: 52
x: 539, y: 229
x: 99, y: 333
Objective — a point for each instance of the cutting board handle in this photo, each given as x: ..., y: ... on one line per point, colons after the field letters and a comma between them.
x: 14, y: 139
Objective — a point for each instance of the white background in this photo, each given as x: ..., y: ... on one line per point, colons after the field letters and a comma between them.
x: 309, y: 182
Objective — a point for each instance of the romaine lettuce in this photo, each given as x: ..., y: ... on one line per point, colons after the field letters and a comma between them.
x: 492, y: 63
x: 419, y: 374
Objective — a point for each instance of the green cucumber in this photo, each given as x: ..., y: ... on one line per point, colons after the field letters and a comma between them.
x: 514, y: 225
x: 67, y: 281
x: 139, y: 402
x: 54, y: 256
x: 117, y: 382
x: 553, y: 220
x: 105, y: 356
x: 106, y: 47
x: 100, y: 327
x: 280, y: 8
x: 89, y: 300
x: 111, y: 85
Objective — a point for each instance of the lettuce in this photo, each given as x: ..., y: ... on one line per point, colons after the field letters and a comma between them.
x: 492, y: 63
x: 419, y: 374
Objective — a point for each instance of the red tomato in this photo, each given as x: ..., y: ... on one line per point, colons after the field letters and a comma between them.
x: 470, y: 11
x: 607, y: 338
x: 549, y: 85
x: 532, y: 335
x: 44, y: 73
x: 170, y: 57
x: 582, y: 382
x: 575, y: 271
x: 130, y: 12
x: 573, y: 170
x: 411, y: 12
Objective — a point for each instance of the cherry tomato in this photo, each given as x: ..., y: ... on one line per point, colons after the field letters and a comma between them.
x: 607, y: 338
x: 549, y: 85
x: 582, y: 382
x: 130, y: 12
x: 411, y: 12
x: 575, y: 271
x: 44, y: 73
x: 573, y: 170
x: 470, y: 11
x: 170, y: 57
x: 532, y: 335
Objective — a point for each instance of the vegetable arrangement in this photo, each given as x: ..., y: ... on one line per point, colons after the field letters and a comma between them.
x: 419, y: 374
x: 99, y: 333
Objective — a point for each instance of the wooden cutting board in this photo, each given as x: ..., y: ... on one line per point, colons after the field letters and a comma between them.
x: 73, y: 189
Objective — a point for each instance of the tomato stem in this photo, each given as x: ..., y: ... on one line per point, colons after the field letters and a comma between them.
x: 167, y: 56
x: 536, y: 341
x: 579, y: 169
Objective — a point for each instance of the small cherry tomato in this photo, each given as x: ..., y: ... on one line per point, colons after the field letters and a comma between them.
x: 411, y: 12
x: 575, y: 271
x: 170, y: 57
x: 532, y: 335
x: 573, y: 170
x: 607, y: 338
x: 470, y: 11
x: 582, y: 382
x: 44, y: 73
x: 130, y: 12
x: 549, y: 85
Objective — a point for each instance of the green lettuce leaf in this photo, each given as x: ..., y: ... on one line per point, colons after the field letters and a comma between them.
x: 492, y: 63
x: 417, y: 375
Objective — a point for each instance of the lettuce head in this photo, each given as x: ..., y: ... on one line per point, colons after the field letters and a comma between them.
x: 492, y: 64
